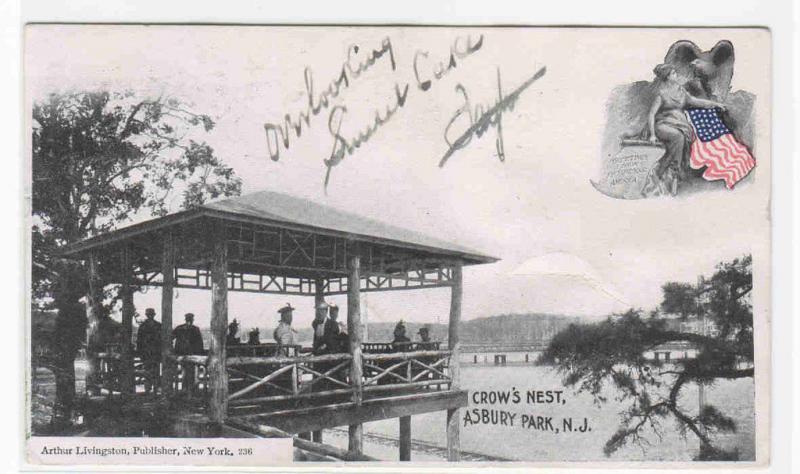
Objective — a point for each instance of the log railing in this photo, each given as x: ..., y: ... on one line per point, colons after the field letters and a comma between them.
x: 390, y: 347
x: 426, y: 369
x: 261, y: 380
x: 269, y: 349
x: 255, y: 380
x: 191, y: 378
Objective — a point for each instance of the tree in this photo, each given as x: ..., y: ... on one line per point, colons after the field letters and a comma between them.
x: 612, y: 352
x: 100, y: 159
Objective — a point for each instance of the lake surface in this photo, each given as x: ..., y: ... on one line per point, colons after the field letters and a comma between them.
x: 529, y: 443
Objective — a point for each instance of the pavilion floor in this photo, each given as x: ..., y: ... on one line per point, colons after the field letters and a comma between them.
x: 145, y: 414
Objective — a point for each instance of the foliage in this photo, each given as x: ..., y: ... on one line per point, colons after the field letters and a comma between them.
x: 99, y: 160
x: 612, y: 353
x: 679, y: 298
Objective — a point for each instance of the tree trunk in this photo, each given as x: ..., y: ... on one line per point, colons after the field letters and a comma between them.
x: 70, y: 331
x: 64, y: 371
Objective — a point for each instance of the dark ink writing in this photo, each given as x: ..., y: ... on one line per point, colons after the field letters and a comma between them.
x: 341, y: 145
x: 355, y: 65
x: 426, y: 71
x: 480, y: 118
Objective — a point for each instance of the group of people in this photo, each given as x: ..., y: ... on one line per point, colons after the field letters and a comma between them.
x: 253, y: 337
x: 187, y: 341
x: 401, y: 342
x: 330, y: 336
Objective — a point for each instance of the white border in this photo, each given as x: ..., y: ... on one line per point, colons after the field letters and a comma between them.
x: 776, y: 15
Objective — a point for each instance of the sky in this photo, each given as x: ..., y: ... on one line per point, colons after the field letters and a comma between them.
x: 564, y: 247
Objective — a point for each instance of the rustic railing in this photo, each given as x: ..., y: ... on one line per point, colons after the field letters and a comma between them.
x: 262, y: 380
x: 268, y: 349
x: 390, y: 347
x: 255, y: 380
x: 191, y: 379
x: 258, y: 380
x: 406, y: 370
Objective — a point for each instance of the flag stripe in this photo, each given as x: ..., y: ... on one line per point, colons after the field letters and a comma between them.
x: 715, y: 148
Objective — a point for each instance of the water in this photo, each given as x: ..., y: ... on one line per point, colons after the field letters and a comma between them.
x: 734, y: 398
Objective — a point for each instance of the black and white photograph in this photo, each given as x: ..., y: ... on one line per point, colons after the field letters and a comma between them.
x: 303, y: 245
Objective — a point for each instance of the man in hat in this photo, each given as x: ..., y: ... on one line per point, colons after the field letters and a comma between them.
x: 319, y: 324
x: 424, y: 334
x: 148, y: 345
x: 401, y: 342
x: 231, y: 339
x: 425, y: 344
x: 284, y: 334
x: 188, y: 341
x: 332, y: 329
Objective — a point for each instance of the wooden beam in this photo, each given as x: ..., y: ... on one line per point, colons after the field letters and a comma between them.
x: 405, y: 438
x: 311, y: 446
x: 217, y: 372
x: 453, y: 435
x: 319, y: 417
x: 168, y: 282
x: 356, y: 431
x: 93, y: 342
x: 127, y: 379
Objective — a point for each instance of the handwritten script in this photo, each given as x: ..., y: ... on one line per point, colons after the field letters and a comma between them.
x: 481, y: 118
x: 468, y: 121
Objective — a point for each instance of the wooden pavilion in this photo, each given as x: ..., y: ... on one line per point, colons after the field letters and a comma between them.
x: 272, y: 243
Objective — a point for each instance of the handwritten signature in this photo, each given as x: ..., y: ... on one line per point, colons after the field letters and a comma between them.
x: 481, y: 118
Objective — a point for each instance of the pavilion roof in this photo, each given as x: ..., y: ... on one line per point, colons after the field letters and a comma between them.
x: 277, y: 209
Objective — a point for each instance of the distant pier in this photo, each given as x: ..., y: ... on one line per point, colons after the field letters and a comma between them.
x: 501, y: 354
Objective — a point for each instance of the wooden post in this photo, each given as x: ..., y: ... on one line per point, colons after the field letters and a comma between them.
x: 319, y: 292
x: 168, y: 273
x: 319, y: 297
x: 356, y: 438
x: 217, y: 371
x: 453, y: 435
x: 405, y: 438
x: 356, y: 432
x: 93, y: 342
x: 127, y: 379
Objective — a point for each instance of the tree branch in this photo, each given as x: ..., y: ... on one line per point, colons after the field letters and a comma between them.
x: 127, y: 130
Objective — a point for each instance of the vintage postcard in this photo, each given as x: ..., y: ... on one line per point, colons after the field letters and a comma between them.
x: 259, y: 246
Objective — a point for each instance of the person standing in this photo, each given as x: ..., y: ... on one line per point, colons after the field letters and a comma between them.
x: 284, y: 333
x: 424, y: 334
x: 320, y: 344
x: 188, y: 341
x: 401, y: 342
x: 231, y: 339
x: 148, y: 346
x: 331, y: 333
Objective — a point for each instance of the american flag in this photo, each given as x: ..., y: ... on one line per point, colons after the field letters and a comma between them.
x: 716, y: 148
